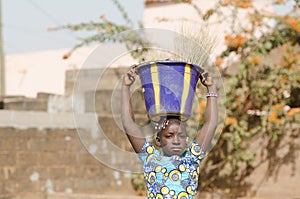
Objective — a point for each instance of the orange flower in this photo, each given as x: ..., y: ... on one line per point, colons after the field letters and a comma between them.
x: 292, y: 66
x: 239, y: 40
x: 254, y: 60
x: 244, y: 5
x: 226, y: 2
x: 102, y: 17
x: 283, y: 79
x: 218, y: 62
x: 279, y: 1
x: 201, y: 106
x: 279, y: 121
x: 293, y: 23
x: 278, y: 107
x: 293, y: 111
x: 274, y: 118
x: 200, y: 118
x: 238, y: 3
x: 235, y: 41
x: 231, y: 120
x: 228, y: 38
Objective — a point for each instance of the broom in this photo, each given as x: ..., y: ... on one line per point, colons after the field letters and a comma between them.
x: 193, y: 42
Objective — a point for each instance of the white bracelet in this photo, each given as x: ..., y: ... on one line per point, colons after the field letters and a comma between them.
x: 211, y: 94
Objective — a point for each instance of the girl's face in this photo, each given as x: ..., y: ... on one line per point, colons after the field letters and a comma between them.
x: 173, y: 139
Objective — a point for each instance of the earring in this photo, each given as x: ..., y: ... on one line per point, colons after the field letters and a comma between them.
x: 187, y: 140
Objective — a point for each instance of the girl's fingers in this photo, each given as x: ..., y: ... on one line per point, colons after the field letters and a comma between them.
x: 131, y: 76
x: 133, y: 67
x: 132, y: 72
x: 204, y: 76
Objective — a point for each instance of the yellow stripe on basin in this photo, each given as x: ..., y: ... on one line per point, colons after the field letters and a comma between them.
x: 186, y: 86
x: 156, y: 86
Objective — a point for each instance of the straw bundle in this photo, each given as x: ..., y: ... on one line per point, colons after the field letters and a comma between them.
x: 196, y: 44
x: 193, y: 43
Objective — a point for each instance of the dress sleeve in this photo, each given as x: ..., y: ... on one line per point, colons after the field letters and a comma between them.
x: 147, y: 150
x: 196, y: 152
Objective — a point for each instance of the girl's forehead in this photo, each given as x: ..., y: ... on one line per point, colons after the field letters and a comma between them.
x: 174, y: 121
x: 174, y: 126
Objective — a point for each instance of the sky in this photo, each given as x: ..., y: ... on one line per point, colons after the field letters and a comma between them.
x: 25, y: 22
x: 284, y: 8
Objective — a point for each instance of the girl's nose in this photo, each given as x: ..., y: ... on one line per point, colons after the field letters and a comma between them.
x: 176, y: 140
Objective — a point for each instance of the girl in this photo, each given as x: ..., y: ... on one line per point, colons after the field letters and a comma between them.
x: 172, y: 172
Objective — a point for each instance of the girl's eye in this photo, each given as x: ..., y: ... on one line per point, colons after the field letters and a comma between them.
x: 181, y: 135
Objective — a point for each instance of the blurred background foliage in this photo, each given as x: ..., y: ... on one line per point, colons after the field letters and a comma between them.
x: 261, y: 86
x: 262, y: 97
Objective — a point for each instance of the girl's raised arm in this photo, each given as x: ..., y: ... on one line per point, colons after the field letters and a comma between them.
x: 132, y: 130
x: 206, y: 133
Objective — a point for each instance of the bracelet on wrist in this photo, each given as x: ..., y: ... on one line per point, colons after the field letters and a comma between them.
x: 211, y: 94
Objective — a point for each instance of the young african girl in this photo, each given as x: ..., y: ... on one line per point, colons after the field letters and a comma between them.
x: 173, y: 171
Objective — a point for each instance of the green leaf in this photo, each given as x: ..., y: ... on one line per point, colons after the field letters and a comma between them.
x: 268, y: 45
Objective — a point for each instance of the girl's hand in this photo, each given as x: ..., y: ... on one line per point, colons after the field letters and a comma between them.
x: 129, y: 77
x: 206, y: 79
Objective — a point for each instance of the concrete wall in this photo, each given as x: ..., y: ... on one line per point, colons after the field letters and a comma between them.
x: 44, y: 149
x: 51, y: 158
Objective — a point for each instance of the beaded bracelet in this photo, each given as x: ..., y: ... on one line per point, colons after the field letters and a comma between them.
x: 211, y: 94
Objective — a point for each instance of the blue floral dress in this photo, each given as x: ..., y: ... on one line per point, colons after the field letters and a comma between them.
x: 174, y: 176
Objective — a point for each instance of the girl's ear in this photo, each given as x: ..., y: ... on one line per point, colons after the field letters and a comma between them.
x: 157, y: 141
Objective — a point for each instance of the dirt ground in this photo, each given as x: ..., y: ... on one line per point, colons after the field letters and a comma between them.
x: 286, y: 186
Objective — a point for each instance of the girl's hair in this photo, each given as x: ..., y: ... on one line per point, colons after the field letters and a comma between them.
x: 165, y: 121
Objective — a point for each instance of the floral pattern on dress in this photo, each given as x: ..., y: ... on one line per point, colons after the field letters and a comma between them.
x: 174, y: 176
